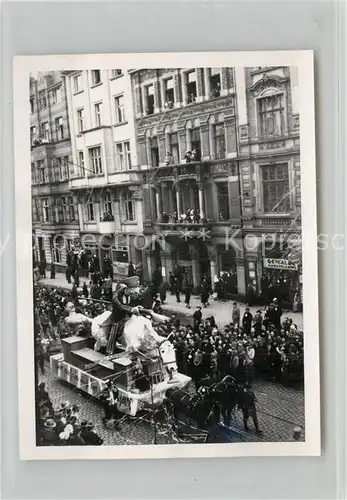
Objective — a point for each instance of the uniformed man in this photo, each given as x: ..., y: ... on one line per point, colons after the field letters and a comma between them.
x: 248, y: 408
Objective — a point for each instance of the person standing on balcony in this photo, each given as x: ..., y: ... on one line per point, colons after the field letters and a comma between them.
x: 187, y: 156
x: 168, y: 158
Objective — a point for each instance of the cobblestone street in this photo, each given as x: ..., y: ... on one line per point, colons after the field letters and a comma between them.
x: 280, y: 409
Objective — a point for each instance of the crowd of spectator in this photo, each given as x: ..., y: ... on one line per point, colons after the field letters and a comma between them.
x: 62, y: 426
x: 190, y: 216
x: 256, y: 345
x: 262, y: 343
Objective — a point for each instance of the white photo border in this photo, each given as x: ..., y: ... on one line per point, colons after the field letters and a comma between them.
x: 23, y: 66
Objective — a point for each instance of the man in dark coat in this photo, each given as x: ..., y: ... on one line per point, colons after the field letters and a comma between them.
x: 277, y: 313
x: 247, y: 321
x: 176, y: 287
x: 52, y: 271
x: 107, y: 266
x: 162, y: 292
x: 171, y: 283
x: 131, y: 270
x: 85, y: 291
x: 88, y: 434
x: 108, y: 399
x: 247, y: 403
x: 126, y: 300
x: 188, y: 294
x: 250, y: 295
x: 43, y: 265
x: 74, y: 293
x: 197, y: 316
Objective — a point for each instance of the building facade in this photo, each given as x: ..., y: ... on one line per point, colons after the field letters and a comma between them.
x: 105, y: 176
x: 178, y: 112
x: 269, y: 166
x: 243, y: 178
x: 54, y: 208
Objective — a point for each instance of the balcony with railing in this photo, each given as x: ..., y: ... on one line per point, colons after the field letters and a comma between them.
x: 107, y: 224
x: 185, y: 230
x: 194, y: 169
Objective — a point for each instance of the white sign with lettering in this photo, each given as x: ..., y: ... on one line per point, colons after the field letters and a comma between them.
x: 282, y: 264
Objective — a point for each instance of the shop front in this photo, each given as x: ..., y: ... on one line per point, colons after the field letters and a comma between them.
x: 281, y: 278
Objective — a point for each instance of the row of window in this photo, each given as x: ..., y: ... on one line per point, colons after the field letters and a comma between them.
x: 59, y: 247
x: 194, y: 137
x: 128, y: 213
x: 97, y: 114
x: 95, y: 79
x: 170, y: 93
x: 275, y: 191
x: 275, y: 187
x: 45, y: 98
x: 96, y: 167
x: 55, y: 210
x: 63, y: 209
x: 271, y: 123
x: 45, y: 134
x: 60, y: 170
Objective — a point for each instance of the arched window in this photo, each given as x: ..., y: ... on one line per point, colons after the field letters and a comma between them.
x: 271, y: 115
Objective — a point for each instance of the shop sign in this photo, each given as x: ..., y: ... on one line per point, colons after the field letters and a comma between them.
x: 281, y: 264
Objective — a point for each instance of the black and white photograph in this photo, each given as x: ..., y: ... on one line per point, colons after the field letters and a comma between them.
x: 170, y: 239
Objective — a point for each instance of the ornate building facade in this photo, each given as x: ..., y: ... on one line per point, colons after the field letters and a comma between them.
x: 269, y: 165
x: 105, y: 176
x: 54, y: 208
x: 180, y: 113
x: 223, y: 142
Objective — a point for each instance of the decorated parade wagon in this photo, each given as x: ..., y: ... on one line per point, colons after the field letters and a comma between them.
x: 140, y: 367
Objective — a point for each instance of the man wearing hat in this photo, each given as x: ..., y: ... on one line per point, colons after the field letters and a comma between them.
x: 277, y: 313
x: 50, y: 435
x: 126, y: 301
x: 108, y: 399
x: 247, y: 321
x: 89, y: 435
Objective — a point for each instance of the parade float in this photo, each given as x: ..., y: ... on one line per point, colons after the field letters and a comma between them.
x: 142, y: 367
